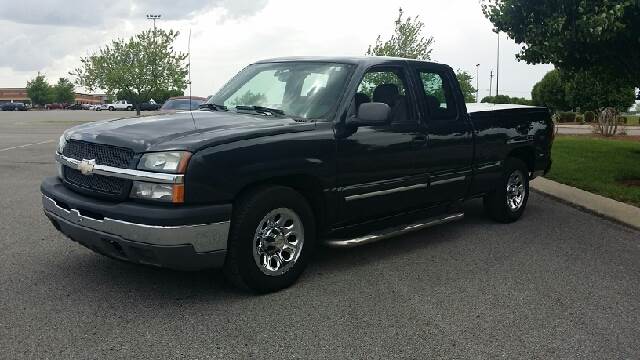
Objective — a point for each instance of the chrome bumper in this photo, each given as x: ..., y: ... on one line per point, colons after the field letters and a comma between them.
x: 203, y: 237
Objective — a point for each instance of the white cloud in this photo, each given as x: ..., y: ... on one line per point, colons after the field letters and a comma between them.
x: 229, y: 34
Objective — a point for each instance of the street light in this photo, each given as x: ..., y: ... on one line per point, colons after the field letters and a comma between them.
x: 477, y: 83
x: 154, y: 17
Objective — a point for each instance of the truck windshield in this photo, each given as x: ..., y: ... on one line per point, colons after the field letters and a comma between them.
x: 306, y: 90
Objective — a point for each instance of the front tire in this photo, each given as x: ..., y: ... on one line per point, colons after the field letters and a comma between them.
x: 271, y: 239
x: 507, y: 203
x: 111, y: 108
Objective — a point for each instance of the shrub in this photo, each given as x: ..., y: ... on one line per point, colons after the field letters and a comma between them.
x: 580, y: 119
x: 566, y: 117
x: 589, y: 116
x: 622, y: 120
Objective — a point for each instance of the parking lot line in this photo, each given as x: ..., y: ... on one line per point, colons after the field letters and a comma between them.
x: 26, y: 145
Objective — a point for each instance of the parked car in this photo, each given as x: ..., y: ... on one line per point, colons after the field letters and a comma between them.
x: 54, y: 106
x: 86, y: 106
x: 74, y: 107
x: 182, y: 103
x: 16, y: 106
x: 349, y: 151
x: 118, y: 105
x: 149, y: 106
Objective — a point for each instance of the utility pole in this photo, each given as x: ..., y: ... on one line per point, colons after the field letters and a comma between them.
x: 154, y: 17
x: 477, y: 83
x: 490, y: 82
x: 498, y: 68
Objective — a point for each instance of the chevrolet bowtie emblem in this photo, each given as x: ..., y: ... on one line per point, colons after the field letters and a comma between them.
x: 86, y: 166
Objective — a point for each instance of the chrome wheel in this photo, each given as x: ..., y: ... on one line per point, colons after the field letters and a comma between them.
x: 278, y: 241
x: 515, y: 190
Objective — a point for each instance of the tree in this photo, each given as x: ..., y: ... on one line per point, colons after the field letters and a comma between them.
x: 63, y: 92
x: 39, y: 90
x: 249, y: 98
x: 137, y: 67
x: 600, y: 36
x: 550, y: 92
x: 407, y: 40
x: 590, y: 91
x: 468, y: 90
x: 504, y: 99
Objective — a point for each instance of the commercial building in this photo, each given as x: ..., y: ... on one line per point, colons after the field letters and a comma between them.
x: 20, y: 95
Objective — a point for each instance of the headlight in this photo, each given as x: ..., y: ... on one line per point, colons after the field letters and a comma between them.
x: 158, y: 192
x: 62, y: 142
x: 169, y: 162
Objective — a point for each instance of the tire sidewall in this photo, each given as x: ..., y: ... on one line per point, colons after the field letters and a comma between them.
x: 243, y: 230
x: 512, y: 165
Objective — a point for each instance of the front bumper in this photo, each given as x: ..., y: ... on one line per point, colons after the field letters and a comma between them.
x: 185, y: 238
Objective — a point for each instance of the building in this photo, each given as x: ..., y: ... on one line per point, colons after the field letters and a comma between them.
x: 20, y: 95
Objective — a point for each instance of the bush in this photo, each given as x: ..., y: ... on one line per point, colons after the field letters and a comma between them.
x: 580, y: 119
x: 589, y: 116
x: 566, y: 117
x: 622, y: 120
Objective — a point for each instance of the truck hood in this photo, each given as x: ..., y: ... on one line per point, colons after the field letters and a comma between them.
x: 183, y: 131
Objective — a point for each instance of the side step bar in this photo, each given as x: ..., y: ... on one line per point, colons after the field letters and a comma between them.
x: 393, y: 232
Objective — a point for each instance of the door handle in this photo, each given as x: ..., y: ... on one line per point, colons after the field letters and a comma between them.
x: 420, y: 139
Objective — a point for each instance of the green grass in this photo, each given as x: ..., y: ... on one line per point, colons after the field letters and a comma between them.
x: 596, y: 165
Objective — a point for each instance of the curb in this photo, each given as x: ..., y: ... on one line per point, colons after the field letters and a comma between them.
x: 596, y: 204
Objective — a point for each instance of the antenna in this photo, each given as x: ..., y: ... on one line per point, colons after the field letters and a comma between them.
x: 189, y: 67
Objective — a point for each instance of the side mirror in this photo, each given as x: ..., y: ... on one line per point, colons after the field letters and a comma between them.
x: 371, y: 114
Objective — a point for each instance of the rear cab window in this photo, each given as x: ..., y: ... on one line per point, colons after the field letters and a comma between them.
x: 437, y: 95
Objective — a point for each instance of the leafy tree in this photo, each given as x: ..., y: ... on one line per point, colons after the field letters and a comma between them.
x: 407, y: 40
x: 591, y: 91
x: 504, y: 99
x: 468, y: 90
x: 550, y: 92
x: 39, y: 90
x: 136, y: 67
x: 579, y: 35
x: 63, y: 91
x: 249, y: 98
x: 159, y: 95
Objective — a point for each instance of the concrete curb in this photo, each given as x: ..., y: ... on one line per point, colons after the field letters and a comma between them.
x: 608, y: 208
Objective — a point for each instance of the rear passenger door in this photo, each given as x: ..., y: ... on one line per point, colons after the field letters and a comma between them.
x: 447, y: 156
x: 376, y: 172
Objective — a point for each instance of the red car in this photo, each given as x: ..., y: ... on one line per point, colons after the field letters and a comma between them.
x: 54, y: 106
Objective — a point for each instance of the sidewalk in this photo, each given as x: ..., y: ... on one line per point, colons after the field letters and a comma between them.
x: 574, y: 129
x: 600, y: 205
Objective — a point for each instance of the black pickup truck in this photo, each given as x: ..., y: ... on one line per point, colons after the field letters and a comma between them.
x: 289, y: 154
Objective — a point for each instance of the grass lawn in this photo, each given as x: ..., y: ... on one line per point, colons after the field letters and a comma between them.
x: 598, y: 165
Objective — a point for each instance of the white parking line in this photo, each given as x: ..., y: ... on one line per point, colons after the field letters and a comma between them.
x: 26, y: 145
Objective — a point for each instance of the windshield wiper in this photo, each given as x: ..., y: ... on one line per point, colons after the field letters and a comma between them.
x: 260, y: 109
x: 213, y: 107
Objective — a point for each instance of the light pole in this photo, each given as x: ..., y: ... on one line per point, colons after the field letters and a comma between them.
x: 154, y: 17
x: 498, y: 68
x: 477, y: 83
x: 490, y: 81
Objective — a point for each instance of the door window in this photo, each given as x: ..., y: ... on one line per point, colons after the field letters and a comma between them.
x: 386, y: 86
x: 438, y: 96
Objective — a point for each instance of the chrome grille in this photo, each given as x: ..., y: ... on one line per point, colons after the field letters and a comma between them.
x: 103, y: 154
x: 103, y: 184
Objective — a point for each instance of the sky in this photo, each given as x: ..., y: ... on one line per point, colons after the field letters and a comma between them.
x: 227, y: 35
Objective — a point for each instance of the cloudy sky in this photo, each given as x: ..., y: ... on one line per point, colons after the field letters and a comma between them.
x: 51, y: 35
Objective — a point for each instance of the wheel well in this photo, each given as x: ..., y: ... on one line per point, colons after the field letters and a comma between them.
x: 308, y: 186
x: 526, y: 154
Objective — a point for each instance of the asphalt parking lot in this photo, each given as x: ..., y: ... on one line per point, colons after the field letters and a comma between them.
x: 561, y: 283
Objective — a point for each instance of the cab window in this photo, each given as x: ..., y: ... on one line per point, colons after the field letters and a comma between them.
x: 438, y: 97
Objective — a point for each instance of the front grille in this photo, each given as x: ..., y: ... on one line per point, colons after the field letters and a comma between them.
x: 106, y: 185
x: 103, y: 154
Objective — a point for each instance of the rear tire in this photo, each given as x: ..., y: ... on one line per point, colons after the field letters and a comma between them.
x: 271, y: 240
x: 111, y: 108
x: 507, y: 203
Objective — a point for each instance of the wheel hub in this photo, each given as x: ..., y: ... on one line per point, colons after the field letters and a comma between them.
x: 278, y: 241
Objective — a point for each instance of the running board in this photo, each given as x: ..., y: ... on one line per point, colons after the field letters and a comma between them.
x: 392, y: 232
